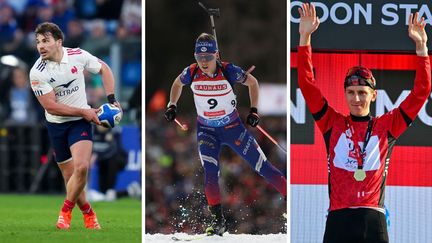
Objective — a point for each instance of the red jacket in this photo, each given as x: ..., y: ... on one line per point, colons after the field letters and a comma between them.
x: 344, y: 190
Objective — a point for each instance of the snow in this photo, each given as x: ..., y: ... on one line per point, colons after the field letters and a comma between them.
x: 237, y: 238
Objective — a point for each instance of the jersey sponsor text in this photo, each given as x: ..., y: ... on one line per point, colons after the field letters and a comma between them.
x: 209, y: 87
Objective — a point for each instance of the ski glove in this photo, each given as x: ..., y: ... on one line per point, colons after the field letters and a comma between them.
x: 253, y: 117
x: 170, y: 113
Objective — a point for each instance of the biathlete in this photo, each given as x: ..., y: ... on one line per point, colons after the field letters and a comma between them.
x: 218, y: 121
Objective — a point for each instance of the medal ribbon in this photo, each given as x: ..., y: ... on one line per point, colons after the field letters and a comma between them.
x: 355, y: 140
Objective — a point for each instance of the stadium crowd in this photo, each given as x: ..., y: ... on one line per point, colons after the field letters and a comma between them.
x: 175, y: 200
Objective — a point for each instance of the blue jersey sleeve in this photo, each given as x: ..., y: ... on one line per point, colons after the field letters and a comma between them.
x: 185, y: 76
x: 235, y: 74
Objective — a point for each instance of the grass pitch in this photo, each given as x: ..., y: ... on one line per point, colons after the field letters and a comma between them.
x: 30, y: 218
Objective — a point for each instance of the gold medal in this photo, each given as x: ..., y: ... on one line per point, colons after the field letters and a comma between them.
x: 359, y: 175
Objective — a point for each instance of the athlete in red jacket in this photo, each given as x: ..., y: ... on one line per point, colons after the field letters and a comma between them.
x: 359, y: 145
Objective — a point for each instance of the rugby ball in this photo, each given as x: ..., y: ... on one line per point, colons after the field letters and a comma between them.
x: 109, y: 115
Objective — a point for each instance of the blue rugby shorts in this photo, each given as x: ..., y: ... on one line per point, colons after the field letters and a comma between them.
x: 64, y: 135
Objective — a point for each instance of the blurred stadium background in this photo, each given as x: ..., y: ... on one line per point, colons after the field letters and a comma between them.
x: 371, y: 34
x: 249, y: 33
x: 110, y: 30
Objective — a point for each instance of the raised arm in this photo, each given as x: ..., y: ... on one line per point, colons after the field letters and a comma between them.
x: 308, y: 23
x: 321, y: 111
x: 410, y: 107
x: 422, y: 83
x: 416, y: 31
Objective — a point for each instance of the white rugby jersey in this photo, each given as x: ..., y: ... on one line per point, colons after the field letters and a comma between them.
x: 65, y: 78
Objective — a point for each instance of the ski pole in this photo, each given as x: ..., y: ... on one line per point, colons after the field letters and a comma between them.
x: 250, y: 69
x: 183, y: 126
x: 262, y: 129
x: 271, y: 138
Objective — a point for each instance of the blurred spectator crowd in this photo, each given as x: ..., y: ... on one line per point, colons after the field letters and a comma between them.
x: 93, y: 25
x: 175, y: 199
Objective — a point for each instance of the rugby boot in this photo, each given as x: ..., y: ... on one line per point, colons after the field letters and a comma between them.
x: 91, y: 222
x: 64, y: 220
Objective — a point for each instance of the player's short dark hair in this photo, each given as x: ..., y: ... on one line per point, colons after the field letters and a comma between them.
x: 48, y: 27
x: 205, y: 37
